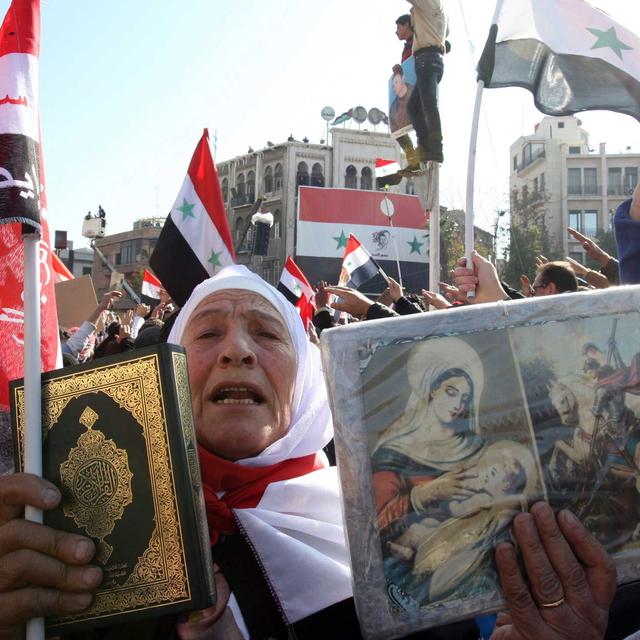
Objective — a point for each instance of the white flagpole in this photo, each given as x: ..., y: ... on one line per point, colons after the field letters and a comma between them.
x: 471, y: 167
x: 32, y: 388
x: 435, y: 268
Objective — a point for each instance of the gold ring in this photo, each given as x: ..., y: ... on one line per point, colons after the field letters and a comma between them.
x: 552, y: 605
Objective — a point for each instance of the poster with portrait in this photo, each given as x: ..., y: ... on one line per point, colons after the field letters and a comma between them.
x: 449, y: 423
x: 400, y: 87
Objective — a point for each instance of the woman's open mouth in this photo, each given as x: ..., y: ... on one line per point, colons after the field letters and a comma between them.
x: 237, y: 395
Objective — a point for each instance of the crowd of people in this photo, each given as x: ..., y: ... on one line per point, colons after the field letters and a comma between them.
x: 273, y: 502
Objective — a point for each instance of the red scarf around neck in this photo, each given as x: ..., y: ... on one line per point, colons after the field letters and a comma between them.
x: 243, y: 486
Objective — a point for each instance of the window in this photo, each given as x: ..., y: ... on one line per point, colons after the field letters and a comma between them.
x: 574, y: 220
x: 542, y: 183
x: 277, y: 220
x: 515, y: 163
x: 351, y: 177
x: 238, y: 229
x: 591, y: 182
x: 302, y: 175
x: 590, y: 223
x: 268, y: 180
x: 86, y: 271
x: 574, y: 150
x: 615, y: 181
x: 129, y: 250
x: 578, y: 257
x: 560, y: 125
x: 317, y: 177
x: 535, y: 185
x: 585, y: 222
x: 410, y: 189
x: 531, y: 152
x: 366, y: 179
x: 630, y: 180
x: 277, y: 178
x: 225, y: 189
x: 251, y: 186
x: 575, y: 182
x: 240, y: 186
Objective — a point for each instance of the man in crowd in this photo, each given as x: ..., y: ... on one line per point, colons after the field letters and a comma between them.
x: 553, y: 278
x: 429, y: 31
x: 627, y: 228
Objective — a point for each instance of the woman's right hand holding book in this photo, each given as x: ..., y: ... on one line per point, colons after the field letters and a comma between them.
x: 42, y: 571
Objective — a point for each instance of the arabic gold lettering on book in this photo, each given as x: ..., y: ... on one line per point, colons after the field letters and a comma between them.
x: 97, y: 480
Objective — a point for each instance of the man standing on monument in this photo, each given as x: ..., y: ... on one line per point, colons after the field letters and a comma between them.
x: 430, y: 29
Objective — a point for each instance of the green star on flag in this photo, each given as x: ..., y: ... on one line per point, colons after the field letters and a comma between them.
x: 186, y: 209
x: 415, y: 245
x: 215, y: 259
x: 341, y: 240
x: 609, y: 39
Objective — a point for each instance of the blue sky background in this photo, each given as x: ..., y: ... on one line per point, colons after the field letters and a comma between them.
x: 127, y: 87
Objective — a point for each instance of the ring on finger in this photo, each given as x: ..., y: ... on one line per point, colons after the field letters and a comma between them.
x: 551, y: 605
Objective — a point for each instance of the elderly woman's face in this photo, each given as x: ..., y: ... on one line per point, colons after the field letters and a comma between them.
x: 242, y: 368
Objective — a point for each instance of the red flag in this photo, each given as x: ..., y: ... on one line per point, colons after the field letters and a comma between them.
x: 21, y: 155
x: 150, y: 287
x: 306, y: 310
x: 60, y: 271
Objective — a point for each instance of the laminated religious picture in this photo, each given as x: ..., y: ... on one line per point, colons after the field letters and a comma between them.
x: 450, y: 423
x: 119, y: 442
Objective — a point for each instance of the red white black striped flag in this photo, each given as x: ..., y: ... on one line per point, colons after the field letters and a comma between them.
x: 195, y: 241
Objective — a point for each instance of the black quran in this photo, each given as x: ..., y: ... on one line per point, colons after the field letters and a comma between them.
x: 119, y: 442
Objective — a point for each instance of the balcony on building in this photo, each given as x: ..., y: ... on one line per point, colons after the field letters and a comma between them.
x: 531, y: 154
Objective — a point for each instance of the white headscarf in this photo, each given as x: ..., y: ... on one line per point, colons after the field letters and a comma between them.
x: 427, y: 362
x: 311, y: 428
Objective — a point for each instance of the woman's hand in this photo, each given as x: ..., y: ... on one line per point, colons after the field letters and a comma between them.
x: 571, y: 580
x: 42, y: 571
x: 214, y: 623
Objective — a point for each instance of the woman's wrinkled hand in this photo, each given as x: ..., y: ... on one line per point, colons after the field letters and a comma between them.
x: 571, y: 580
x: 42, y: 571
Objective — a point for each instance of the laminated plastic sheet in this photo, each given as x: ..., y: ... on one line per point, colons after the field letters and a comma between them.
x: 449, y: 423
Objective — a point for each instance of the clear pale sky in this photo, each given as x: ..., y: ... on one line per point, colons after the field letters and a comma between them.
x: 127, y: 87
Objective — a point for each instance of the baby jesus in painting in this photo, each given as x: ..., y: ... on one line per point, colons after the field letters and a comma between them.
x: 452, y: 539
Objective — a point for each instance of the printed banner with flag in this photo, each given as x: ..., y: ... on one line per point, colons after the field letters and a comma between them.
x: 296, y: 289
x: 150, y: 290
x: 195, y: 241
x: 570, y: 55
x: 326, y: 218
x: 342, y: 118
x: 22, y: 193
x: 60, y: 271
x: 358, y: 267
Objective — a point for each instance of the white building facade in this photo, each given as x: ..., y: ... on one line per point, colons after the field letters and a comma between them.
x: 576, y: 185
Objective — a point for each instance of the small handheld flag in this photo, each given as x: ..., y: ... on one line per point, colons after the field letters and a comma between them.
x: 295, y: 287
x: 358, y: 266
x: 150, y: 291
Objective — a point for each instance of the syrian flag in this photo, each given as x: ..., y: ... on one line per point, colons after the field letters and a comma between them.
x: 570, y: 55
x: 358, y: 266
x: 60, y: 271
x: 295, y: 287
x: 386, y: 168
x: 150, y: 291
x: 195, y: 241
x: 22, y: 194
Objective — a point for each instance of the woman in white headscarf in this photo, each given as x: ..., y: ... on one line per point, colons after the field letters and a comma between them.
x: 437, y: 432
x: 262, y: 419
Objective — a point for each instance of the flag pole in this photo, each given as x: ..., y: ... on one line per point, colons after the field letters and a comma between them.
x: 32, y: 388
x: 435, y: 268
x: 485, y: 71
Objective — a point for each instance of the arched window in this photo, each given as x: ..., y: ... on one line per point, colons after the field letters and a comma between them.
x: 237, y: 231
x: 225, y: 189
x: 251, y: 186
x: 277, y: 178
x: 302, y: 176
x: 410, y: 189
x: 240, y: 186
x: 268, y: 180
x: 317, y: 177
x: 366, y: 179
x: 351, y: 177
x: 276, y: 229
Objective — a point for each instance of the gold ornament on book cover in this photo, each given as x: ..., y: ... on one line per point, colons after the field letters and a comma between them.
x: 97, y: 481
